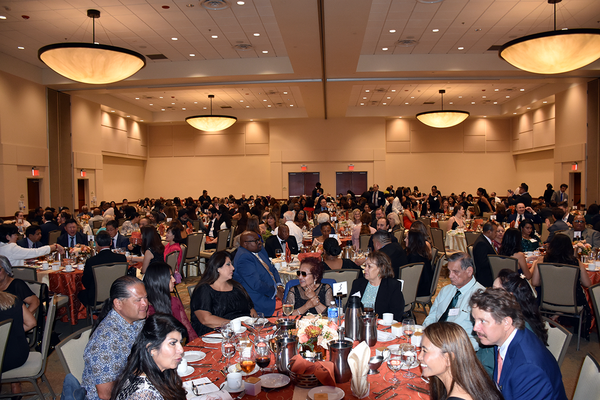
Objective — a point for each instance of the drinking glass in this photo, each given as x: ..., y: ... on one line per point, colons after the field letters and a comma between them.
x: 288, y: 308
x: 408, y: 327
x: 226, y: 331
x: 228, y: 349
x: 259, y: 322
x: 247, y: 359
x: 409, y: 355
x: 263, y: 355
x: 278, y: 253
x: 394, y: 363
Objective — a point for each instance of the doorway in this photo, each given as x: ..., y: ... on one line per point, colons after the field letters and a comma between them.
x: 81, y: 191
x: 575, y: 183
x: 354, y: 181
x: 33, y: 193
x: 302, y: 183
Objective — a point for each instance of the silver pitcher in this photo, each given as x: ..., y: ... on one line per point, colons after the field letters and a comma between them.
x: 338, y: 354
x: 353, y: 318
x: 369, y: 329
x: 287, y: 348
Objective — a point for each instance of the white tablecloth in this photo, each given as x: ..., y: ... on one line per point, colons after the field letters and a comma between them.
x: 456, y: 241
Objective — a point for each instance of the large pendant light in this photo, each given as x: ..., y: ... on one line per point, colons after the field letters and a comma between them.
x: 442, y: 118
x: 553, y: 52
x: 92, y: 63
x: 211, y: 123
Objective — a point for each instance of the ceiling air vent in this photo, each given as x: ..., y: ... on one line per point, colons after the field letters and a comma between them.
x: 225, y: 106
x: 380, y: 90
x: 272, y: 92
x: 242, y: 46
x: 406, y: 43
x: 495, y: 47
x: 157, y: 56
x: 429, y: 102
x: 214, y: 5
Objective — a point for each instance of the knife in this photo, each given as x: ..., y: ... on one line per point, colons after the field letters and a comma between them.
x: 394, y: 395
x: 202, y: 347
x: 417, y: 389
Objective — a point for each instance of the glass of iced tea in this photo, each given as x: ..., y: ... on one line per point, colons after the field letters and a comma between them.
x: 248, y: 359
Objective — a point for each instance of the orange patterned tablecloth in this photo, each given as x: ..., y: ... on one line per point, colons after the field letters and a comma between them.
x: 69, y: 284
x: 595, y: 278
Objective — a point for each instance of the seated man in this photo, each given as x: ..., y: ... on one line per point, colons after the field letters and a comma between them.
x: 321, y: 218
x: 295, y: 230
x: 256, y: 273
x: 72, y: 237
x: 32, y: 239
x: 48, y: 226
x: 383, y: 243
x: 481, y: 248
x: 214, y: 226
x: 103, y: 256
x: 452, y: 302
x: 559, y: 225
x: 110, y: 342
x: 383, y: 225
x: 280, y: 241
x: 580, y: 232
x: 524, y: 367
x: 118, y: 241
x: 96, y: 217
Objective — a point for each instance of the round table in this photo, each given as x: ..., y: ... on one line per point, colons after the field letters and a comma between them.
x: 456, y: 241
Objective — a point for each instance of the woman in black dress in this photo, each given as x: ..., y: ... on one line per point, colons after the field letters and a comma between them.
x: 418, y: 251
x: 217, y: 298
x: 310, y: 295
x: 331, y: 260
x: 152, y: 247
x: 16, y: 287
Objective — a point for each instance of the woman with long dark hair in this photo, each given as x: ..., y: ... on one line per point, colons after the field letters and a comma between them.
x: 511, y: 247
x: 418, y: 251
x: 218, y: 298
x: 160, y: 282
x: 300, y: 220
x: 331, y: 259
x: 448, y: 359
x: 483, y: 201
x: 408, y: 217
x: 529, y: 240
x: 151, y: 369
x: 457, y: 220
x: 152, y: 247
x: 174, y: 241
x: 513, y: 282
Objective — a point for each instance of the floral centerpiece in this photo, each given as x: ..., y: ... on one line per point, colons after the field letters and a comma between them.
x: 314, y: 334
x: 582, y: 247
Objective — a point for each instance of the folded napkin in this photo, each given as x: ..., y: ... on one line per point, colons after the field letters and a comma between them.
x: 359, y: 365
x: 203, y: 386
x: 384, y: 336
x: 323, y: 370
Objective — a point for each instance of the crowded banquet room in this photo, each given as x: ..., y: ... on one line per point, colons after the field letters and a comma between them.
x: 300, y: 199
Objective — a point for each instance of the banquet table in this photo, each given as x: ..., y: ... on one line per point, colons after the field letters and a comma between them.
x: 595, y: 278
x: 68, y: 284
x: 376, y: 382
x: 456, y: 241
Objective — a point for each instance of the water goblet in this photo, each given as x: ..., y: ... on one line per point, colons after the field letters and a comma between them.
x: 288, y: 307
x: 409, y: 355
x: 408, y: 327
x: 228, y: 349
x: 394, y: 363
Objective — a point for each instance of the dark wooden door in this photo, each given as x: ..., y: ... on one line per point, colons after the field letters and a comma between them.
x: 302, y: 183
x: 80, y: 193
x: 355, y: 181
x: 33, y: 193
x: 577, y: 189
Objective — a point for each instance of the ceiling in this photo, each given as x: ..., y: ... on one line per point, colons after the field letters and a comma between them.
x: 266, y: 59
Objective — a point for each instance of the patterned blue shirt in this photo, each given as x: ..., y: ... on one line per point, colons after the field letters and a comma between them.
x: 106, y: 353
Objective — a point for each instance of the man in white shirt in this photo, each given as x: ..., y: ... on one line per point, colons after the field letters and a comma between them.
x: 295, y: 230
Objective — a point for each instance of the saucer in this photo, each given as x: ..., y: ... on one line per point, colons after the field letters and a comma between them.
x: 382, y: 322
x: 193, y: 356
x: 333, y: 393
x: 235, y: 368
x: 188, y: 372
x: 226, y: 388
x: 212, y: 338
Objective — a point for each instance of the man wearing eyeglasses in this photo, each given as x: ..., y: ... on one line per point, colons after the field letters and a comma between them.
x: 254, y: 271
x: 580, y: 232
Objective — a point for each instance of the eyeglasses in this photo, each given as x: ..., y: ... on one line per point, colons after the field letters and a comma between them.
x: 303, y: 273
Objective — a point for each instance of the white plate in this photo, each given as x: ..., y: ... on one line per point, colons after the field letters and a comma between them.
x: 592, y: 270
x: 333, y: 393
x: 274, y: 381
x: 226, y: 388
x: 188, y: 372
x: 193, y: 356
x: 212, y: 338
x: 414, y: 365
x: 382, y: 322
x: 233, y: 368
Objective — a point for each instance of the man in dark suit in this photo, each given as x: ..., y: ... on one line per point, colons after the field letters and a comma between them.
x: 560, y: 195
x: 559, y: 225
x: 316, y: 191
x: 379, y: 213
x: 382, y: 225
x: 104, y: 256
x: 524, y: 367
x: 523, y: 196
x: 48, y: 226
x: 278, y: 242
x: 33, y: 235
x: 377, y: 198
x: 383, y: 243
x: 72, y: 237
x: 568, y: 217
x: 117, y: 241
x: 523, y: 213
x: 481, y: 248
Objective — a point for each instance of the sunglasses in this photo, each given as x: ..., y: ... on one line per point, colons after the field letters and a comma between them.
x: 303, y: 273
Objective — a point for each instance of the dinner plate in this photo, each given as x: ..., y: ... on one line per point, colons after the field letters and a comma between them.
x: 235, y: 368
x: 188, y: 372
x: 274, y: 381
x: 212, y: 338
x: 382, y: 322
x: 193, y: 356
x: 333, y: 393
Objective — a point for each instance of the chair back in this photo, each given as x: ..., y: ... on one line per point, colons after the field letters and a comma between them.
x: 444, y: 226
x: 471, y: 237
x: 184, y: 249
x: 559, y: 282
x: 364, y: 242
x: 293, y: 282
x: 171, y: 259
x: 222, y: 237
x: 194, y: 241
x: 437, y: 269
x: 594, y: 291
x: 588, y: 384
x: 70, y: 352
x: 558, y: 339
x: 544, y: 233
x: 437, y: 235
x: 470, y: 251
x: 121, y: 221
x: 53, y: 236
x: 196, y: 225
x: 25, y: 273
x: 231, y: 231
x: 410, y: 274
x: 41, y: 291
x: 191, y: 290
x: 97, y: 224
x: 342, y: 275
x: 104, y: 276
x: 499, y: 263
x: 48, y: 333
x: 4, y: 332
x: 399, y: 234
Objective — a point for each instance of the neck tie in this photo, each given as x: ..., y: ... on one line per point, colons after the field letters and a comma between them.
x: 561, y: 196
x: 115, y: 243
x: 374, y: 198
x: 72, y: 241
x: 499, y: 366
x: 288, y: 255
x: 266, y: 266
x: 452, y: 305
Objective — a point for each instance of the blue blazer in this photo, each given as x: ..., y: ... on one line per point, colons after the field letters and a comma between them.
x: 80, y: 238
x: 23, y: 243
x: 529, y: 370
x: 122, y: 241
x: 256, y: 280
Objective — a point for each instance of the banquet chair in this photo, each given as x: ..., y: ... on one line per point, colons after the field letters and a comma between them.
x: 343, y: 275
x: 231, y: 231
x: 444, y: 226
x: 559, y: 292
x: 424, y: 301
x: 222, y: 237
x: 588, y: 384
x: 364, y: 242
x: 437, y: 236
x: 544, y: 233
x: 558, y: 339
x: 410, y: 274
x: 104, y: 276
x: 399, y: 234
x: 96, y: 224
x: 499, y: 263
x: 70, y: 351
x: 196, y: 224
x: 293, y: 282
x: 53, y: 237
x: 25, y: 273
x: 171, y: 259
x: 35, y: 366
x: 594, y: 292
x: 193, y: 251
x: 4, y: 332
x: 471, y: 237
x: 191, y: 290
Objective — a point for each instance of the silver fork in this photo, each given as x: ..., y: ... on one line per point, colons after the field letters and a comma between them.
x: 241, y: 395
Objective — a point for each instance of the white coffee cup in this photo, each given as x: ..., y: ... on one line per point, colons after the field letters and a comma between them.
x: 55, y: 266
x: 234, y: 380
x: 80, y: 267
x: 388, y: 318
x: 45, y: 266
x: 182, y: 367
x: 236, y: 325
x: 592, y: 266
x: 69, y: 268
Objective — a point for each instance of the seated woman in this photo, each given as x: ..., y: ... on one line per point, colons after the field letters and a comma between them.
x: 457, y: 220
x: 326, y: 230
x: 417, y: 251
x: 271, y: 223
x: 218, y: 298
x: 310, y: 295
x: 17, y: 254
x: 354, y: 218
x: 16, y: 287
x: 152, y: 247
x: 529, y: 240
x: 449, y: 361
x: 394, y: 222
x: 160, y: 282
x: 151, y: 369
x: 408, y: 217
x: 423, y: 229
x: 364, y: 228
x: 300, y: 220
x: 497, y: 242
x: 501, y: 214
x: 331, y: 260
x: 20, y: 222
x: 511, y: 247
x: 378, y: 287
x: 174, y: 239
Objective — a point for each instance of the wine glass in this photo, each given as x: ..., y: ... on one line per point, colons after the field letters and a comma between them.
x: 394, y: 363
x: 247, y: 358
x: 263, y: 355
x: 288, y: 307
x: 259, y: 322
x: 409, y: 355
x: 226, y: 331
x: 408, y: 327
x: 278, y: 253
x: 228, y: 349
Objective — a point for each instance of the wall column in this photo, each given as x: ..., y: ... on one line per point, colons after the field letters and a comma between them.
x: 60, y: 149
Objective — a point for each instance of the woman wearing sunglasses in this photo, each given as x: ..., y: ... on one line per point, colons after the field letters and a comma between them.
x: 310, y: 295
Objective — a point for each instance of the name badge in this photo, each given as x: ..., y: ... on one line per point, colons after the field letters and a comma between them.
x: 453, y: 312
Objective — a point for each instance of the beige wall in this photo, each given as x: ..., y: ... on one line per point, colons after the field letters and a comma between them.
x: 124, y: 178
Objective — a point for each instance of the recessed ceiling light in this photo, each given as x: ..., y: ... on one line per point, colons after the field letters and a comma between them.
x: 269, y: 105
x: 162, y: 109
x: 183, y: 108
x: 399, y: 117
x: 472, y: 102
x: 284, y: 92
x: 385, y: 104
x: 195, y: 102
x: 151, y: 104
x: 544, y: 102
x: 241, y: 101
x: 204, y: 108
x: 291, y: 105
x: 496, y: 90
x: 128, y: 116
x: 412, y: 97
x: 364, y: 98
x: 564, y: 29
x: 142, y: 120
x: 137, y: 98
x: 257, y: 34
x: 529, y: 108
x: 514, y: 113
x: 173, y: 103
x: 112, y: 110
x: 214, y: 36
x: 495, y: 102
x: 461, y: 48
x: 362, y: 104
x: 483, y: 97
x: 173, y: 38
x: 160, y: 97
x: 367, y: 90
x: 485, y: 116
x: 21, y: 48
x: 247, y: 106
x: 435, y: 30
x: 192, y: 55
x: 2, y: 17
x: 508, y: 97
x: 393, y: 90
x: 389, y: 98
x: 451, y: 102
x: 265, y: 51
x: 460, y: 97
x: 522, y: 90
x: 384, y: 48
x: 392, y: 31
x: 406, y: 103
x: 241, y: 3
